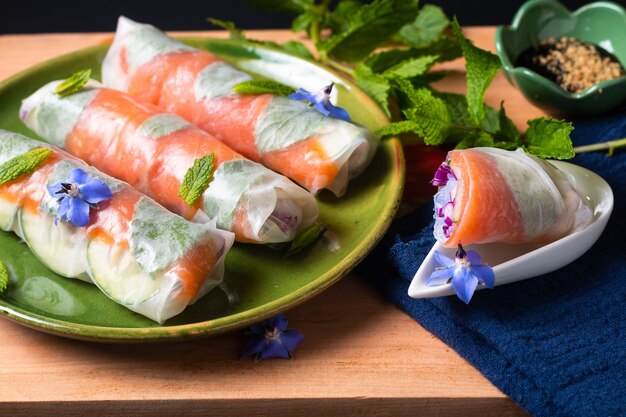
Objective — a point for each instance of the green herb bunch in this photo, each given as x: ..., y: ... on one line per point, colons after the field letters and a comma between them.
x: 389, y: 47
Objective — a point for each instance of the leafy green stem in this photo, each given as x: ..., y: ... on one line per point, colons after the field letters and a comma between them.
x: 315, y: 35
x: 341, y: 67
x: 463, y: 128
x: 315, y: 30
x: 608, y: 145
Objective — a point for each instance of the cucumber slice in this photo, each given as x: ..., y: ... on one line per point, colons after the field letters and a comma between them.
x: 60, y: 247
x: 8, y: 211
x: 115, y: 271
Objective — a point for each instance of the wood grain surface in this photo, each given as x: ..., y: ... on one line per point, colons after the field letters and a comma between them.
x: 360, y: 355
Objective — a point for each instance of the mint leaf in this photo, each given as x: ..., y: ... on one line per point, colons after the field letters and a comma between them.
x: 411, y: 67
x: 4, y: 277
x: 74, y: 83
x: 397, y: 128
x: 507, y: 128
x: 369, y: 27
x: 296, y: 48
x: 474, y: 139
x: 428, y: 115
x: 284, y: 6
x: 376, y: 86
x: 481, y: 66
x: 197, y: 179
x: 263, y: 87
x: 23, y: 164
x: 339, y: 20
x: 427, y: 27
x: 236, y: 34
x: 305, y: 239
x: 423, y: 81
x: 459, y: 115
x: 304, y: 21
x: 549, y: 138
x: 445, y: 49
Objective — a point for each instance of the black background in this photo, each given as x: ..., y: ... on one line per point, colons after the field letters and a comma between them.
x: 40, y: 16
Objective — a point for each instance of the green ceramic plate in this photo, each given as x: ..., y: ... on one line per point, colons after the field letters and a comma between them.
x: 264, y: 281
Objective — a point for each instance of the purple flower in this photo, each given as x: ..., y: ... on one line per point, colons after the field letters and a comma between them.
x: 466, y: 271
x: 271, y: 339
x: 77, y: 196
x: 321, y: 102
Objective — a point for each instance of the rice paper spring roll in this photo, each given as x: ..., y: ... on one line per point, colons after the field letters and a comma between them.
x: 285, y: 135
x: 493, y: 195
x: 140, y: 255
x: 153, y: 151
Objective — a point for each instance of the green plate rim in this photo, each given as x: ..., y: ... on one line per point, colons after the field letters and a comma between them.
x: 239, y: 320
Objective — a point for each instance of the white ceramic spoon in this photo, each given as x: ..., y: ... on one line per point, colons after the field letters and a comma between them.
x: 516, y: 262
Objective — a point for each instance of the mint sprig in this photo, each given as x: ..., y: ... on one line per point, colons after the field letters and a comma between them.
x: 304, y: 239
x: 263, y: 87
x: 235, y: 33
x: 23, y: 164
x: 549, y: 138
x: 481, y: 67
x: 368, y: 28
x: 429, y: 25
x: 4, y: 277
x: 197, y: 179
x: 74, y: 83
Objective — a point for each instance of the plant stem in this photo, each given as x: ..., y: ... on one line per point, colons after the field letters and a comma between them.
x: 315, y: 30
x: 609, y: 145
x: 343, y: 68
x: 464, y: 128
x: 314, y: 34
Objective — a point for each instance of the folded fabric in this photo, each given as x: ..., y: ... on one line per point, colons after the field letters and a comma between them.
x: 286, y: 135
x: 83, y: 224
x: 153, y: 152
x: 556, y: 344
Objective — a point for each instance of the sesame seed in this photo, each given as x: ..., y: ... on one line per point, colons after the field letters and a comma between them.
x: 573, y: 64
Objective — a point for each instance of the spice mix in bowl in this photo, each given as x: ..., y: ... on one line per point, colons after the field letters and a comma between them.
x: 567, y: 63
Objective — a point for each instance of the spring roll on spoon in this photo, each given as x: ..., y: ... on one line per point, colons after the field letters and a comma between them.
x: 285, y: 135
x: 493, y: 195
x: 153, y: 152
x: 83, y: 224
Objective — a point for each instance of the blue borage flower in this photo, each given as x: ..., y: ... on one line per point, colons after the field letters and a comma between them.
x: 271, y: 339
x: 77, y: 196
x: 321, y: 102
x: 466, y: 270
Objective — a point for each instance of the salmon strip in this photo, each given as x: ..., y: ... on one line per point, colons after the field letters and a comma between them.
x: 482, y: 190
x: 106, y: 135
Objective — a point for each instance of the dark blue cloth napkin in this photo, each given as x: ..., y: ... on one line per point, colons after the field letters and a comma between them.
x: 556, y: 344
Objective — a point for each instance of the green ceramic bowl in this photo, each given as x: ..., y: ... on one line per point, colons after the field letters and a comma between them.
x: 601, y: 23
